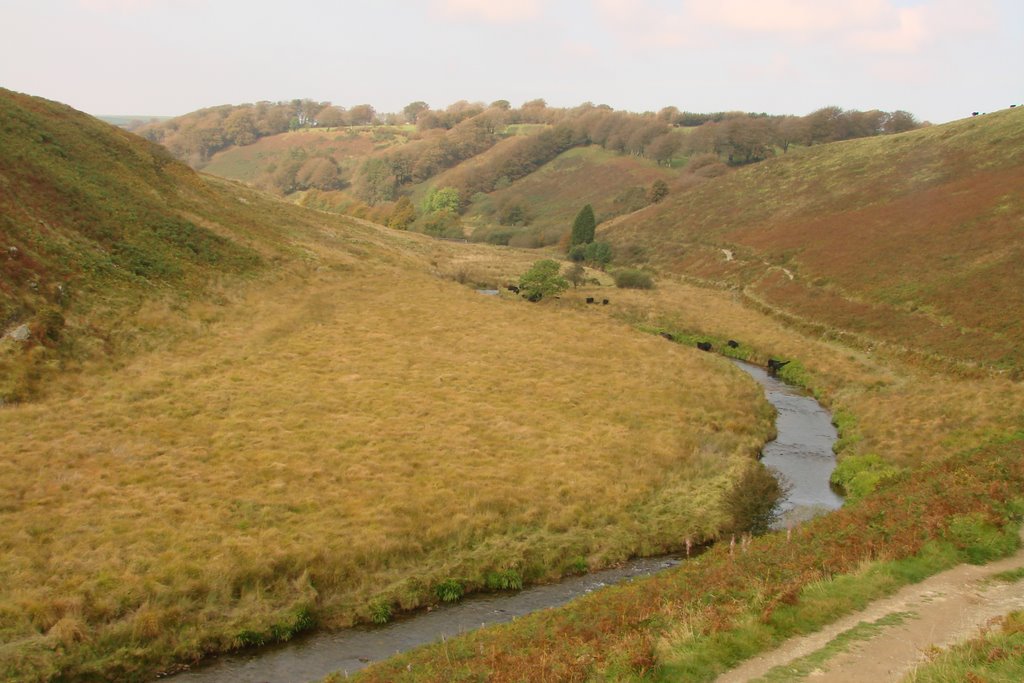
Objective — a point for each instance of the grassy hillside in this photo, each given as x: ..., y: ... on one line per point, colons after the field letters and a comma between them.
x: 913, y: 239
x: 95, y: 222
x: 257, y: 419
x: 552, y: 196
x: 256, y: 163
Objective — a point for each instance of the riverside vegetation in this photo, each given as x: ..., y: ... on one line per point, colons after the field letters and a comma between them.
x: 225, y: 452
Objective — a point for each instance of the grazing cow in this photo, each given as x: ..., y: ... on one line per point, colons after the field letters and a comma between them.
x: 704, y: 346
x: 590, y: 299
x: 604, y: 302
x: 775, y: 365
x: 733, y: 344
x: 974, y: 113
x: 512, y: 288
x: 668, y: 336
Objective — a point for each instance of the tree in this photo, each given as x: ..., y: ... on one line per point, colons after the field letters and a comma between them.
x: 361, y: 115
x: 541, y: 280
x: 513, y: 212
x: 443, y: 199
x: 240, y: 128
x: 598, y: 254
x: 319, y: 172
x: 583, y: 227
x: 403, y: 214
x: 331, y: 117
x: 900, y: 121
x: 413, y: 109
x: 576, y: 274
x: 664, y: 147
x: 659, y: 190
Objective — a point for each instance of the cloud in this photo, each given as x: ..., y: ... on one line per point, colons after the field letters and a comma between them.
x: 873, y: 26
x: 491, y: 11
x: 128, y: 6
x: 579, y: 50
x: 642, y: 25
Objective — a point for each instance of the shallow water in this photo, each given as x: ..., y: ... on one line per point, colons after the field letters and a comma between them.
x: 801, y: 454
x: 315, y: 656
x: 802, y: 451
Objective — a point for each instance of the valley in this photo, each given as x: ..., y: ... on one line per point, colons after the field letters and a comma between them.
x: 255, y: 418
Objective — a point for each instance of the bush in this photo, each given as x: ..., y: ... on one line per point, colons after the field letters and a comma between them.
x: 542, y: 280
x: 598, y: 254
x: 450, y: 590
x: 505, y: 580
x: 633, y: 278
x: 380, y: 612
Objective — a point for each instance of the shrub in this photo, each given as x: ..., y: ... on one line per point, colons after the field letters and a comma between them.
x: 450, y: 590
x: 380, y: 611
x: 598, y: 254
x: 542, y: 280
x: 633, y: 278
x: 504, y: 580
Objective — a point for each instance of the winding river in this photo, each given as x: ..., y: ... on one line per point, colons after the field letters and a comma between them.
x: 801, y: 455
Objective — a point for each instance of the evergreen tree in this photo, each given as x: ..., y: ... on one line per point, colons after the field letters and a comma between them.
x: 583, y: 227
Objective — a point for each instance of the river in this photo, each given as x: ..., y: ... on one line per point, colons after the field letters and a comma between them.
x: 801, y: 455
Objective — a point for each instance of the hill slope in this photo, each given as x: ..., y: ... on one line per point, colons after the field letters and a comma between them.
x: 94, y: 222
x: 915, y: 239
x: 314, y: 424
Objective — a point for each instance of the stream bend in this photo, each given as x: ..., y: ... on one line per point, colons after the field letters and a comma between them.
x: 801, y: 455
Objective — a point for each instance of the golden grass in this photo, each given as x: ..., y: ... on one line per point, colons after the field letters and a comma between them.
x: 357, y: 435
x: 905, y: 412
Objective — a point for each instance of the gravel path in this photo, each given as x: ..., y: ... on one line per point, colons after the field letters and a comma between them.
x: 943, y: 610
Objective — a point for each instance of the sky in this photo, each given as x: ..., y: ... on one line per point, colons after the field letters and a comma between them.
x: 938, y: 59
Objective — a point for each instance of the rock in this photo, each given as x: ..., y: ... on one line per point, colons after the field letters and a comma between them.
x: 20, y: 333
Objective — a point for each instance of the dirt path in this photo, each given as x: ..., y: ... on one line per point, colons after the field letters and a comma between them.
x: 940, y: 611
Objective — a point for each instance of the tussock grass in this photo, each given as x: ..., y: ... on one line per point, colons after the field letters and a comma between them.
x: 333, y: 449
x: 694, y: 622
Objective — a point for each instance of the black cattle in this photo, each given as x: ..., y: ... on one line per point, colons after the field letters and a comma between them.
x: 974, y: 113
x: 733, y: 344
x: 590, y: 299
x: 668, y: 336
x: 604, y: 302
x: 775, y: 365
x: 704, y: 346
x: 512, y: 288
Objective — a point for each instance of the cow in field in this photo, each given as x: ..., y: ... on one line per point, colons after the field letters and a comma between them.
x: 704, y: 346
x: 775, y: 365
x: 733, y: 344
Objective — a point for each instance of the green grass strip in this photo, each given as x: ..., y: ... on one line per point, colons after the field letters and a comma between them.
x: 804, y: 666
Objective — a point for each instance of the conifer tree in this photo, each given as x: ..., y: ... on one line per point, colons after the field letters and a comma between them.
x: 583, y: 227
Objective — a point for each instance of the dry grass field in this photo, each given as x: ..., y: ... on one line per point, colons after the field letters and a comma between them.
x: 693, y: 623
x: 324, y: 446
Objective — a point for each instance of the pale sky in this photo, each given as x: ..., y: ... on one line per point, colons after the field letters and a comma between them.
x: 939, y: 59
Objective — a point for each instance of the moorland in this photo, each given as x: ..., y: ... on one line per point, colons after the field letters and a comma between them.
x: 236, y: 418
